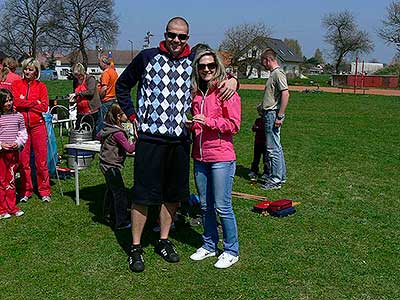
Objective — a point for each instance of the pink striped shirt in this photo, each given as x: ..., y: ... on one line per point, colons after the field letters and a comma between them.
x: 12, y: 129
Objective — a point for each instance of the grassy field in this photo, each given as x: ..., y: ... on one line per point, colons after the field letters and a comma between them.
x: 342, y: 154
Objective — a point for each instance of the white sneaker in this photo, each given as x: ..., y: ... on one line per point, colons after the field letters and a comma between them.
x: 46, y: 199
x: 201, y: 254
x: 5, y: 216
x: 271, y: 186
x: 265, y: 177
x: 24, y: 199
x: 252, y: 175
x: 19, y: 213
x: 225, y: 260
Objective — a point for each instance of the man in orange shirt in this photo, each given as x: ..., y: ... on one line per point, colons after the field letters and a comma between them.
x: 106, y: 86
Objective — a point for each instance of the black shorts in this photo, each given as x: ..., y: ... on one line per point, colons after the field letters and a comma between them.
x: 161, y: 172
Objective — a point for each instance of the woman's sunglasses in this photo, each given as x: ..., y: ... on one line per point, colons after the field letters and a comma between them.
x: 210, y: 66
x: 181, y: 36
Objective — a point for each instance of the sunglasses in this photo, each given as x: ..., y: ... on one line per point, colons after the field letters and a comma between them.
x: 181, y: 36
x: 210, y: 66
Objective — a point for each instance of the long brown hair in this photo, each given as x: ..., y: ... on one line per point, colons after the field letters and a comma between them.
x: 9, y: 65
x: 112, y: 115
x: 219, y: 71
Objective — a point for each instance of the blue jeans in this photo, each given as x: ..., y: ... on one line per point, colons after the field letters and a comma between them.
x: 105, y: 106
x: 214, y: 184
x: 274, y: 147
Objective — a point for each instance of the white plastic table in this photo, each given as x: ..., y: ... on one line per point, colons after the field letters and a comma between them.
x: 93, y: 146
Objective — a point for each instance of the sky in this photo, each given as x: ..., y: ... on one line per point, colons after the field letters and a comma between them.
x: 209, y: 19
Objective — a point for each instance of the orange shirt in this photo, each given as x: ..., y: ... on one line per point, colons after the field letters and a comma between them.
x: 109, y: 78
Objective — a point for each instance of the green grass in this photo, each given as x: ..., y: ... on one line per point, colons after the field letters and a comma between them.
x: 59, y: 88
x: 342, y: 154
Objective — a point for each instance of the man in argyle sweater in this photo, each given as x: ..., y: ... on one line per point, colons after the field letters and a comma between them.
x: 161, y: 168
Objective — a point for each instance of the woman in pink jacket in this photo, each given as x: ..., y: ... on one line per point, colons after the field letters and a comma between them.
x: 214, y: 124
x: 31, y: 100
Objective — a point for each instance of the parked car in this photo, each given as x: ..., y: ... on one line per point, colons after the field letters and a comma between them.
x: 48, y: 75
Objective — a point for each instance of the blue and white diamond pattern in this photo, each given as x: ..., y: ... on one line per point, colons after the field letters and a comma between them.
x: 165, y: 96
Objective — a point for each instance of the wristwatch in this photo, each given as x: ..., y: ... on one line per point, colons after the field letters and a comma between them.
x: 282, y: 117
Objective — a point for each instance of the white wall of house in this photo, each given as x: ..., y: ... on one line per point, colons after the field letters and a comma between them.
x: 291, y: 68
x: 369, y: 68
x: 288, y: 68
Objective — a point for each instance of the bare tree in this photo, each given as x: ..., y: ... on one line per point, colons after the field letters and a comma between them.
x: 242, y: 42
x: 343, y: 35
x: 86, y: 23
x: 390, y: 31
x: 24, y: 25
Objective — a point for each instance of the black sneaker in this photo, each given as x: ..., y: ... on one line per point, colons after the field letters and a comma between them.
x: 167, y: 251
x: 135, y: 259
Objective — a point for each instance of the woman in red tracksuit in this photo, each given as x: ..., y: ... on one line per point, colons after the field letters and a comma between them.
x: 31, y: 100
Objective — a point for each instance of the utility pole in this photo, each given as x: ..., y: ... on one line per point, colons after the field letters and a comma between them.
x: 131, y: 48
x: 99, y: 51
x: 147, y: 40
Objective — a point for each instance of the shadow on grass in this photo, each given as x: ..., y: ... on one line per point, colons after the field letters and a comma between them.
x: 94, y: 195
x: 242, y: 171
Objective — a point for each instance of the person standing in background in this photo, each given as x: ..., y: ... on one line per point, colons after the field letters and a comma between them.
x: 106, y: 89
x: 87, y: 99
x: 7, y: 73
x: 31, y: 100
x: 259, y: 149
x: 275, y: 101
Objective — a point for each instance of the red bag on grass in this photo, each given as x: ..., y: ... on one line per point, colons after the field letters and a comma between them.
x: 262, y: 206
x: 280, y: 205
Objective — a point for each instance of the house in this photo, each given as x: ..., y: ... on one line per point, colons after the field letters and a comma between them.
x: 121, y: 59
x: 288, y: 60
x: 316, y: 70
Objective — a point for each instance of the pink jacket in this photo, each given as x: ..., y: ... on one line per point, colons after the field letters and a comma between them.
x: 213, y: 141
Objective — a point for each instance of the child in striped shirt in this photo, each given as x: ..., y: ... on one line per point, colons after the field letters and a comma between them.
x: 13, y: 137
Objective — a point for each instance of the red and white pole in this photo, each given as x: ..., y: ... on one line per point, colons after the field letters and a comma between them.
x: 355, y: 75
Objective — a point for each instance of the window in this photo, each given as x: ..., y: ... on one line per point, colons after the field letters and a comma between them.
x: 64, y: 72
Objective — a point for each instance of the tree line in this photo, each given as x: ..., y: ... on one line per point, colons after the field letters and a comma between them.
x: 343, y: 36
x: 28, y: 27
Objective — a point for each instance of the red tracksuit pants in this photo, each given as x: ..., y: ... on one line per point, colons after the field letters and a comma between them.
x: 8, y: 168
x: 37, y: 137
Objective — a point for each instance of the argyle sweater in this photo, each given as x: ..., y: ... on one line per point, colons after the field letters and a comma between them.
x: 163, y: 94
